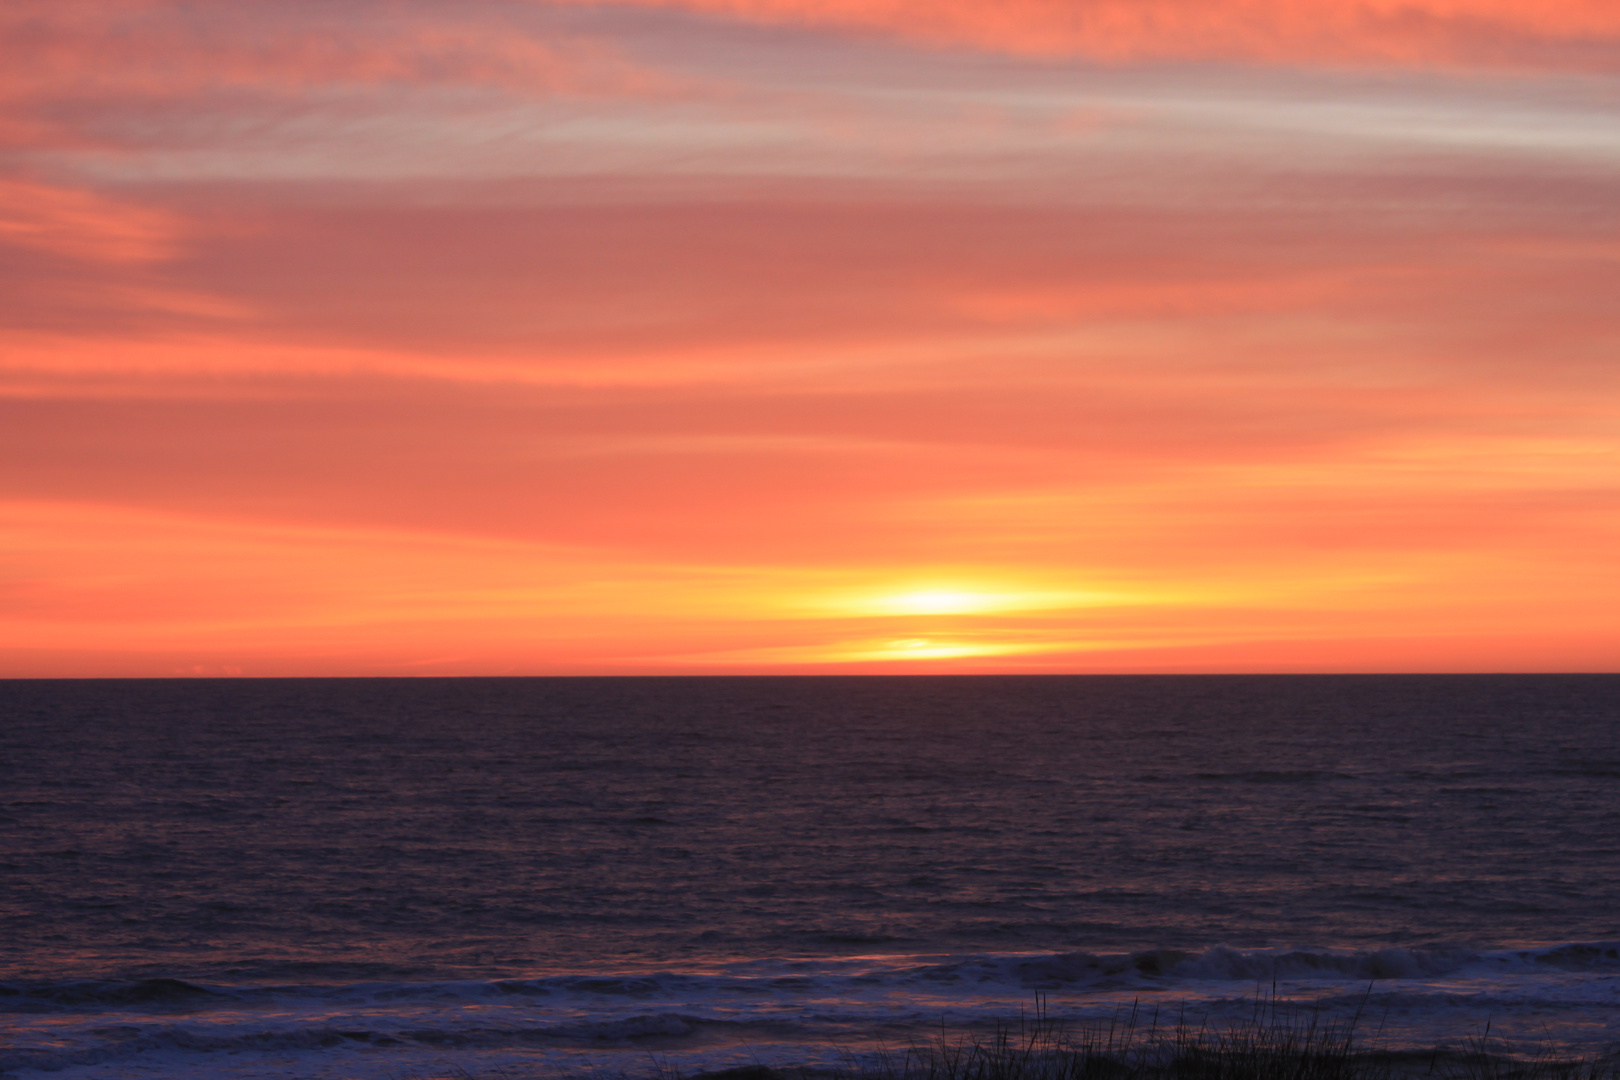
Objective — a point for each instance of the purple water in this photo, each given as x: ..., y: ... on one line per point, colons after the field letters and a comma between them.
x: 369, y: 878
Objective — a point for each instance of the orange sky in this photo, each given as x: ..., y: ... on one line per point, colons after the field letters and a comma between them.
x: 539, y: 337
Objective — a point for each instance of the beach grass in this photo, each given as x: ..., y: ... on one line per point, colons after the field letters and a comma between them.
x: 1275, y: 1042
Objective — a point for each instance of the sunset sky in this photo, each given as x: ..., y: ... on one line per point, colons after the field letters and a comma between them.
x: 686, y: 336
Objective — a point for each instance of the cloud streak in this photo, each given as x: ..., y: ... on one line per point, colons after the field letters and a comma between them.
x: 1518, y: 34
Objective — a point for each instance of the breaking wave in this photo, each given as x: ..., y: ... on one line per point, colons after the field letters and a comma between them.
x: 772, y: 1009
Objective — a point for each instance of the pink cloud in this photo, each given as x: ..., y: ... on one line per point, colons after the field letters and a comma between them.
x: 84, y: 225
x: 1422, y: 33
x: 69, y: 64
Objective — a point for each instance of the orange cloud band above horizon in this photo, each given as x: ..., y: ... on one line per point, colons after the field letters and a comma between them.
x: 121, y: 592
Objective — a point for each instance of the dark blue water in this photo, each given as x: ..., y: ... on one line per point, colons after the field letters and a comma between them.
x: 292, y: 850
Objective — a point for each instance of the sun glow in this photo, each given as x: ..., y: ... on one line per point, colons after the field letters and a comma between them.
x: 940, y: 602
x: 968, y: 601
x: 921, y: 648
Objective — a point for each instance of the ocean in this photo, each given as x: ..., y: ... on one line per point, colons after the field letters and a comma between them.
x: 396, y: 878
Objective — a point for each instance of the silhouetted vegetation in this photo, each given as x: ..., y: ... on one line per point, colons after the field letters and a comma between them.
x: 1275, y: 1042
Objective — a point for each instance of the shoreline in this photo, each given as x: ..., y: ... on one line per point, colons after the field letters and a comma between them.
x: 1285, y: 1053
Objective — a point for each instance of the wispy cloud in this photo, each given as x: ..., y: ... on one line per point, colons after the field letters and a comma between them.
x: 1424, y: 33
x: 84, y: 225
